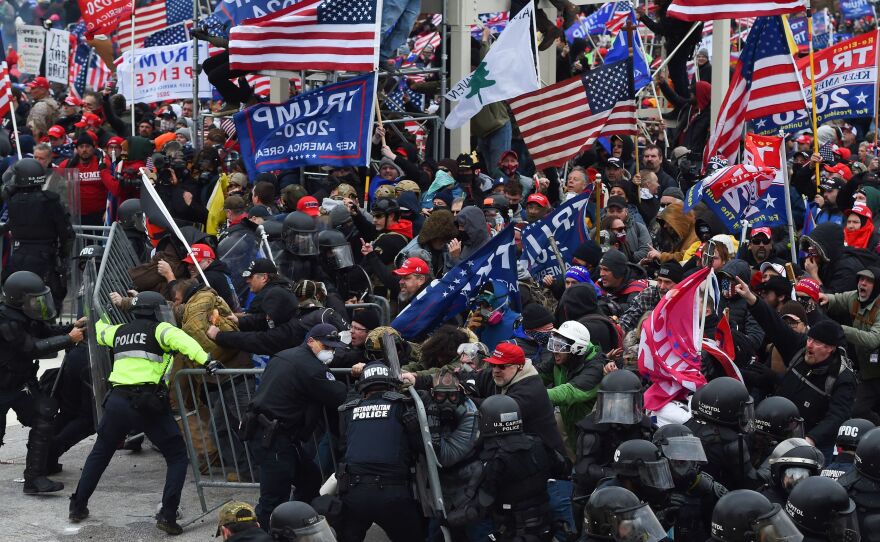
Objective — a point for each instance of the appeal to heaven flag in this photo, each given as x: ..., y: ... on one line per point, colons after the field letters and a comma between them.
x: 507, y: 71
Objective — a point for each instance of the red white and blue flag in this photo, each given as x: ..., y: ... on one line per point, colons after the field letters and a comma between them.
x: 5, y: 84
x: 708, y: 10
x: 622, y: 11
x: 151, y: 18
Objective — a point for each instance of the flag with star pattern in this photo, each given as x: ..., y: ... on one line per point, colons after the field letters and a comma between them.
x: 174, y: 34
x: 394, y: 101
x: 456, y: 291
x: 742, y: 192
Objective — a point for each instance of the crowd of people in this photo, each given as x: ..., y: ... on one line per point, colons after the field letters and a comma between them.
x: 535, y: 403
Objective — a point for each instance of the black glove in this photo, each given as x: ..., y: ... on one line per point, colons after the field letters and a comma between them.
x: 213, y: 366
x: 410, y: 419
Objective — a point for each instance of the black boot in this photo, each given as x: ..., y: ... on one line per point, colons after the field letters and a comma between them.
x: 133, y: 443
x: 170, y: 526
x: 36, y: 463
x: 78, y: 510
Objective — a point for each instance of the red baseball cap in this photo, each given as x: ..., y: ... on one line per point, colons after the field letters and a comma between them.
x: 115, y: 140
x: 309, y: 206
x: 507, y: 153
x: 540, y: 199
x: 411, y: 266
x: 841, y: 169
x: 72, y: 100
x: 88, y: 119
x: 56, y: 131
x: 507, y: 354
x: 201, y: 252
x: 805, y: 139
x: 762, y: 231
x: 808, y: 287
x: 40, y: 81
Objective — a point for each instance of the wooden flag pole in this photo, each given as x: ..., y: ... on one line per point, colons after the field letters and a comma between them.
x: 598, y: 189
x: 379, y: 118
x: 629, y: 28
x: 813, y: 92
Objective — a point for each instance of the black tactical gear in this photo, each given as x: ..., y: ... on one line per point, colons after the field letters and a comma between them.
x: 725, y: 401
x: 148, y: 305
x: 620, y: 398
x: 820, y: 507
x: 747, y: 516
x: 27, y: 173
x: 499, y: 415
x: 296, y: 521
x: 851, y: 432
x: 601, y: 507
x: 26, y: 291
x: 299, y: 235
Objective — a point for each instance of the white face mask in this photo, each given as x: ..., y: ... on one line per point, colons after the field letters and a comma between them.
x: 326, y: 356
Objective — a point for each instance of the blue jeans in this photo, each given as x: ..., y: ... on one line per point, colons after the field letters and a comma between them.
x: 491, y: 147
x: 398, y: 18
x: 560, y: 501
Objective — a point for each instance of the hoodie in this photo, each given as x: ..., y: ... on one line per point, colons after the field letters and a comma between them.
x: 476, y: 232
x: 839, y: 267
x: 683, y: 225
x: 491, y: 335
x: 410, y: 201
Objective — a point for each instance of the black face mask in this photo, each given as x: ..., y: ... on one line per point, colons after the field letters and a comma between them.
x: 463, y: 236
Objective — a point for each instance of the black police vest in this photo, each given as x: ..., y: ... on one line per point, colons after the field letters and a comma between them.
x: 137, y: 339
x: 375, y: 435
x: 29, y: 213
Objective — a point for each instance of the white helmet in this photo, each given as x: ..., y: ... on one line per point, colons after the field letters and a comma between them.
x: 571, y: 337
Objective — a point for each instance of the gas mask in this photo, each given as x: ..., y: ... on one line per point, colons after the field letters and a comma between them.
x: 447, y: 404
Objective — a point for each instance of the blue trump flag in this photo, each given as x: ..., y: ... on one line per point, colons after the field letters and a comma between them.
x: 326, y: 126
x: 620, y: 52
x: 741, y: 193
x: 568, y: 226
x: 456, y: 291
x: 856, y: 9
x: 592, y: 24
x: 229, y: 13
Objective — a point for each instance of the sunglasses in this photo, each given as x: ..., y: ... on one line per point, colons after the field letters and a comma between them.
x: 763, y: 241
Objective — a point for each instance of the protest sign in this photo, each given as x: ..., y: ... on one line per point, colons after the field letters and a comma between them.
x: 162, y: 73
x: 856, y: 9
x: 31, y: 42
x: 58, y: 56
x: 846, y: 80
x: 330, y: 125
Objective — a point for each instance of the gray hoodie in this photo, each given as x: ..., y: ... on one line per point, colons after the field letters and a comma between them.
x: 476, y: 231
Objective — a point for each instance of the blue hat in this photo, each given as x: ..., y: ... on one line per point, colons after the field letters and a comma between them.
x: 578, y: 273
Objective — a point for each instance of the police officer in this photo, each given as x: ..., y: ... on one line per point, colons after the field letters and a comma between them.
x: 641, y: 468
x: 24, y: 336
x: 285, y: 412
x: 131, y: 217
x: 299, y: 260
x: 338, y: 263
x: 143, y: 350
x: 848, y: 437
x: 296, y: 521
x: 41, y: 231
x: 823, y: 511
x: 863, y: 485
x: 617, y: 417
x: 723, y: 414
x: 616, y: 513
x: 516, y: 467
x: 747, y: 516
x: 776, y: 419
x: 792, y: 461
x: 378, y: 435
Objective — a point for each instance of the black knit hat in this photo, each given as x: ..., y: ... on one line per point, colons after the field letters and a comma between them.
x: 671, y: 270
x: 615, y: 261
x: 828, y: 332
x: 589, y: 252
x: 368, y: 318
x: 535, y: 315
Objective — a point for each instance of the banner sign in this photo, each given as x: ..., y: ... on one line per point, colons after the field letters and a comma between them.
x: 162, y: 73
x: 741, y: 192
x: 31, y: 43
x: 330, y: 125
x: 568, y: 227
x: 58, y: 56
x: 846, y: 80
x: 592, y: 24
x: 103, y: 16
x: 856, y: 9
x: 229, y: 13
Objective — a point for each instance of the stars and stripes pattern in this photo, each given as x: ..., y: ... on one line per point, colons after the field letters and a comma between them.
x: 765, y: 82
x: 707, y: 10
x: 79, y: 69
x: 151, y: 18
x: 177, y: 33
x: 558, y: 121
x: 431, y: 38
x: 337, y: 35
x: 5, y: 84
x: 98, y: 73
x: 618, y: 19
x: 394, y: 101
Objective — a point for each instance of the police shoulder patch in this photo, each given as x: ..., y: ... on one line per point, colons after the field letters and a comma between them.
x: 349, y: 405
x: 394, y: 396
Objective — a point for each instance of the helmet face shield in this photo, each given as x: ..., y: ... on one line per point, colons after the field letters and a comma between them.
x: 747, y: 417
x: 684, y: 449
x: 656, y: 474
x: 39, y: 306
x: 319, y: 532
x: 845, y: 526
x: 340, y: 257
x: 301, y: 243
x: 559, y: 345
x: 777, y: 527
x: 637, y: 525
x: 625, y: 408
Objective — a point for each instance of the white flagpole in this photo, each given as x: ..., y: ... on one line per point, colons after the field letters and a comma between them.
x: 783, y: 164
x: 131, y: 57
x: 8, y: 84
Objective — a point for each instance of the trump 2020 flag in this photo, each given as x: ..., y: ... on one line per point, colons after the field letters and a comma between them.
x: 448, y: 296
x: 743, y: 192
x: 326, y: 126
x: 567, y: 225
x: 620, y: 52
x: 507, y: 71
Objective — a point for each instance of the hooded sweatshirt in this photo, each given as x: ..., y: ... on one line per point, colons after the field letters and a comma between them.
x: 476, y: 232
x: 839, y: 267
x: 491, y: 335
x: 683, y: 225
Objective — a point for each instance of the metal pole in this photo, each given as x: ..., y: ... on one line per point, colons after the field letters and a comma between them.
x: 783, y: 164
x: 131, y: 57
x: 674, y: 51
x: 814, y: 116
x: 197, y: 125
x: 720, y: 68
x: 12, y: 114
x: 555, y: 248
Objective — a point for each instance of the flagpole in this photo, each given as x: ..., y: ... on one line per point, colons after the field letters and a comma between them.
x: 629, y: 27
x: 535, y: 40
x: 813, y: 91
x: 672, y: 54
x: 876, y: 87
x: 704, y: 305
x: 12, y: 113
x: 131, y: 56
x: 598, y: 190
x: 783, y: 164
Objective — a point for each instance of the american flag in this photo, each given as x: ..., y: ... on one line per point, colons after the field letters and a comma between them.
x: 622, y: 11
x: 151, y: 18
x: 765, y: 83
x: 260, y: 83
x: 312, y: 34
x: 431, y: 38
x: 79, y: 69
x: 5, y: 83
x: 558, y: 121
x: 394, y: 101
x: 826, y: 151
x: 707, y: 10
x: 228, y: 126
x: 421, y: 135
x: 177, y: 33
x: 98, y: 74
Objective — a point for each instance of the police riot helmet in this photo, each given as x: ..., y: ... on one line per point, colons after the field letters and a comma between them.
x: 792, y: 461
x: 374, y: 349
x: 820, y: 506
x: 600, y: 508
x: 678, y: 443
x: 777, y: 418
x: 851, y: 432
x: 130, y: 214
x: 26, y: 291
x: 620, y: 399
x: 744, y: 515
x: 376, y: 373
x: 335, y: 250
x: 868, y: 455
x: 385, y: 206
x: 148, y: 304
x: 299, y: 234
x: 28, y: 172
x: 297, y: 521
x: 500, y: 415
x: 725, y: 401
x: 641, y: 459
x: 90, y: 252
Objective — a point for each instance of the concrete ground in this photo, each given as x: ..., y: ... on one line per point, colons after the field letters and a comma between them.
x: 122, y: 507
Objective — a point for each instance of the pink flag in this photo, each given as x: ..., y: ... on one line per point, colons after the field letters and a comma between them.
x: 668, y: 352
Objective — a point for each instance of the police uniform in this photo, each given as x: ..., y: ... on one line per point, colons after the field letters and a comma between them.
x: 374, y: 482
x: 138, y: 400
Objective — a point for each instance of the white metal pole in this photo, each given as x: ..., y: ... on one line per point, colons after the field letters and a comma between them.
x: 131, y: 58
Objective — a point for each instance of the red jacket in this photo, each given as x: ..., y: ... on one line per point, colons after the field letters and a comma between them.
x: 403, y: 227
x: 95, y: 180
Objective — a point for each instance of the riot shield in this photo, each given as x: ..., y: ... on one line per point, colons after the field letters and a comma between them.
x: 237, y: 251
x: 64, y: 182
x: 100, y: 363
x: 430, y: 495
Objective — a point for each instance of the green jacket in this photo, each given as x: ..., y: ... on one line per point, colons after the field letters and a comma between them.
x: 864, y: 334
x: 129, y: 370
x: 573, y: 388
